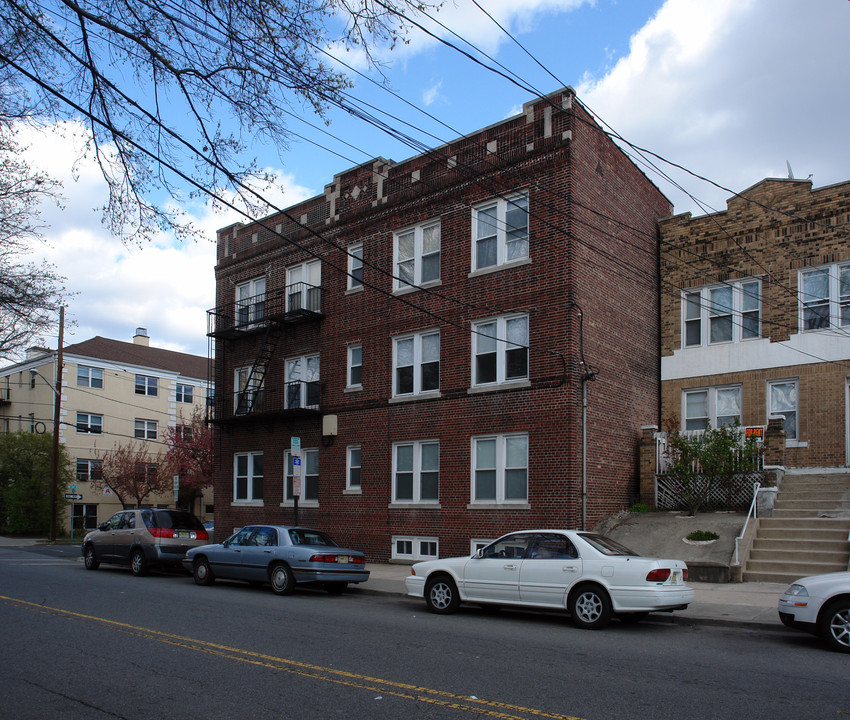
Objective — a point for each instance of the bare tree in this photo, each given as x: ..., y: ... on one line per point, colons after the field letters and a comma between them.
x: 173, y: 92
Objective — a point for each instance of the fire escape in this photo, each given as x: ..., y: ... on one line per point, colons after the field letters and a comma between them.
x: 259, y: 323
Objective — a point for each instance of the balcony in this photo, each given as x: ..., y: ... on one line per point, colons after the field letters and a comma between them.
x: 293, y: 400
x: 5, y: 396
x: 298, y: 303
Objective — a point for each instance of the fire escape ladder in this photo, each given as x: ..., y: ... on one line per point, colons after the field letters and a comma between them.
x: 248, y: 398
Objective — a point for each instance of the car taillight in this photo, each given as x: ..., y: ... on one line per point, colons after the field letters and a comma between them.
x: 201, y: 535
x: 685, y: 574
x: 161, y: 532
x: 658, y: 575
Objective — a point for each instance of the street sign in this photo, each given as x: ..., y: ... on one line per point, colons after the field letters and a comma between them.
x: 73, y: 496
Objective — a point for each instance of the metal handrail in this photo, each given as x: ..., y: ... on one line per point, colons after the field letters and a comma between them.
x: 754, y: 512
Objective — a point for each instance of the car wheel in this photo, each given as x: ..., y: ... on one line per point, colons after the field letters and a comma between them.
x: 632, y: 618
x: 336, y: 588
x: 441, y: 595
x: 89, y: 558
x: 834, y: 624
x: 282, y: 579
x: 138, y: 564
x: 590, y: 607
x: 202, y: 572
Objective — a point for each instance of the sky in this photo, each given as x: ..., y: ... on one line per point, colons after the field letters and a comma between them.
x: 729, y: 92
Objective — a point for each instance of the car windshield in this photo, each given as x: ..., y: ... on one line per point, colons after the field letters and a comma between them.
x: 176, y: 519
x: 300, y: 536
x: 605, y: 545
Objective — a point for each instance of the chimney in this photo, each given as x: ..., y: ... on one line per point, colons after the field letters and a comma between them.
x: 141, y: 337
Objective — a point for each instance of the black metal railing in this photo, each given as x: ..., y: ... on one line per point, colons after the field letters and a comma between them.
x: 293, y: 398
x: 297, y: 303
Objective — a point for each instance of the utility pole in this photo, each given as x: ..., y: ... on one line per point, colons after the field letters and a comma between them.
x: 57, y: 406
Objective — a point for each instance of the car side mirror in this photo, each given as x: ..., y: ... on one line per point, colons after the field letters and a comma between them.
x: 103, y: 526
x: 479, y: 554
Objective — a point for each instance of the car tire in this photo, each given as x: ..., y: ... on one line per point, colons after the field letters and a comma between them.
x: 336, y: 588
x: 632, y: 618
x: 138, y: 563
x: 89, y: 558
x: 282, y: 579
x: 202, y: 572
x: 590, y: 607
x: 441, y: 595
x: 834, y: 624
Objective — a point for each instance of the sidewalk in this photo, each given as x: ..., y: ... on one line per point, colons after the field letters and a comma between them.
x: 751, y: 605
x: 733, y: 604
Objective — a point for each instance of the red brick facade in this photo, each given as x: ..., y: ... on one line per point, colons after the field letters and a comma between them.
x: 774, y: 232
x: 588, y: 288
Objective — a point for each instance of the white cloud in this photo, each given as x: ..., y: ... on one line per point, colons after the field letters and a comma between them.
x: 431, y: 94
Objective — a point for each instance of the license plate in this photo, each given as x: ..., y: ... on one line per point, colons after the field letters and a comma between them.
x: 343, y: 559
x: 180, y: 534
x: 677, y: 575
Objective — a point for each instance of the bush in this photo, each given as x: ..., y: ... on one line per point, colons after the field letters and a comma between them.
x: 702, y: 535
x: 639, y: 508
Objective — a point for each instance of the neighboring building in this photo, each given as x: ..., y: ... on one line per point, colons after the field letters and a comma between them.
x: 755, y: 317
x: 425, y: 329
x: 112, y: 392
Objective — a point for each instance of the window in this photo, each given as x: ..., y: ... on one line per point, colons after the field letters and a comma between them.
x: 500, y: 469
x: 89, y: 377
x: 825, y: 297
x: 416, y: 472
x: 247, y: 477
x: 352, y: 467
x: 719, y: 406
x: 88, y: 470
x: 145, y: 429
x: 500, y: 232
x: 309, y: 476
x: 250, y: 302
x: 89, y: 423
x: 501, y: 350
x: 185, y: 393
x: 303, y: 291
x: 782, y: 400
x: 355, y: 366
x: 302, y: 382
x: 416, y: 364
x: 416, y: 255
x: 355, y: 267
x: 724, y: 313
x: 248, y: 395
x: 146, y: 385
x: 184, y: 432
x: 415, y: 548
x: 84, y: 517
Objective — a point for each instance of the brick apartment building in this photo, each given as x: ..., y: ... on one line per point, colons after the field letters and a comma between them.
x: 755, y: 308
x: 426, y: 329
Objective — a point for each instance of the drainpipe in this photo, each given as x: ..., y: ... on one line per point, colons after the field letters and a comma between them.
x: 587, y: 376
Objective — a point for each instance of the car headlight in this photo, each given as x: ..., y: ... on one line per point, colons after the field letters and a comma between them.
x: 797, y: 589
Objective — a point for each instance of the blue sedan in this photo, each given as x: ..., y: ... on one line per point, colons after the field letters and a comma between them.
x: 280, y: 555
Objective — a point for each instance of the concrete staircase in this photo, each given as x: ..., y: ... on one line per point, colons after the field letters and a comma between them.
x: 807, y: 533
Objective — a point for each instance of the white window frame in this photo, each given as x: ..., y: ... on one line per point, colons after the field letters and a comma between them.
x: 308, y: 371
x: 145, y: 429
x: 417, y: 363
x: 184, y: 393
x: 89, y: 377
x: 304, y: 286
x: 772, y: 410
x: 835, y: 304
x: 497, y: 229
x: 416, y: 260
x: 481, y: 341
x: 88, y: 425
x: 702, y: 308
x: 355, y: 267
x: 240, y: 387
x: 250, y: 302
x: 501, y: 470
x: 353, y: 464
x: 91, y: 467
x: 417, y: 545
x: 711, y: 404
x: 309, y: 473
x: 253, y: 495
x: 351, y: 364
x: 416, y: 471
x: 148, y: 384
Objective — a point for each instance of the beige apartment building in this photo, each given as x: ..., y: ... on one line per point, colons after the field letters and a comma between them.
x: 111, y: 392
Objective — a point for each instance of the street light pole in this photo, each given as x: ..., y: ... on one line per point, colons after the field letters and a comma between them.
x: 57, y: 406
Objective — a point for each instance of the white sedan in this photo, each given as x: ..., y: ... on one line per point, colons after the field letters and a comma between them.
x: 820, y: 604
x: 587, y: 574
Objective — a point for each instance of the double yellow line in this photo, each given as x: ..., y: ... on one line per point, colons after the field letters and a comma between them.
x: 404, y: 691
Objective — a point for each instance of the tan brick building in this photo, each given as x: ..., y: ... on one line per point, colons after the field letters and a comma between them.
x: 755, y: 317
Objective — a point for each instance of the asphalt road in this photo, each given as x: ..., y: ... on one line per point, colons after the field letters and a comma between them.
x: 81, y: 644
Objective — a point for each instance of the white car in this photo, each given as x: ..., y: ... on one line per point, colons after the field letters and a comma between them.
x: 820, y: 604
x: 587, y: 574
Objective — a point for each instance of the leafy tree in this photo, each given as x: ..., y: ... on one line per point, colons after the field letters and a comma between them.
x: 190, y: 454
x: 26, y: 476
x: 172, y: 92
x: 702, y: 462
x: 130, y: 472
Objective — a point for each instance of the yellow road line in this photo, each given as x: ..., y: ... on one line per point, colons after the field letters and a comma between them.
x: 405, y: 691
